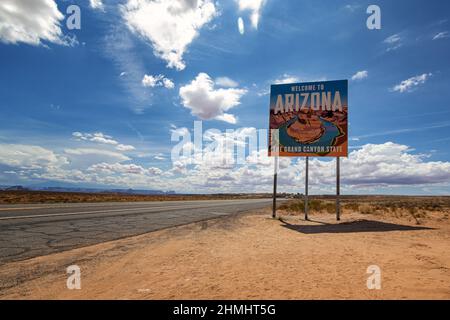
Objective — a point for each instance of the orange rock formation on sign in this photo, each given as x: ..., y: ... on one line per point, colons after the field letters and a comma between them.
x: 307, y: 129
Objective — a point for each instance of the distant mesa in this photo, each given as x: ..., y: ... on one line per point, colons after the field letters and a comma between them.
x: 16, y: 188
x: 87, y: 190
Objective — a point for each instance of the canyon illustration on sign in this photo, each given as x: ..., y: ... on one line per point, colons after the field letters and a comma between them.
x: 309, y: 119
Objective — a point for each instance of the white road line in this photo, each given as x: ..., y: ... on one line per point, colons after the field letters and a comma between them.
x: 29, y: 208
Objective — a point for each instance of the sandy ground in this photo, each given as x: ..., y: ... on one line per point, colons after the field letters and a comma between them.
x: 252, y: 257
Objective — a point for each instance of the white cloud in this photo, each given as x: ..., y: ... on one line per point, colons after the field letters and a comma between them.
x: 255, y: 8
x: 371, y: 168
x: 157, y: 81
x: 394, y: 42
x: 410, y: 84
x: 207, y: 102
x: 125, y: 147
x: 352, y: 7
x: 96, y: 4
x: 95, y: 137
x: 168, y: 83
x: 31, y: 22
x: 393, y: 39
x: 360, y: 75
x: 169, y: 25
x: 99, y: 137
x: 160, y: 157
x: 226, y: 82
x: 84, y: 157
x: 264, y: 90
x: 28, y: 156
x: 151, y: 81
x: 119, y: 168
x: 111, y: 168
x: 241, y: 27
x: 392, y: 164
x: 119, y: 46
x: 286, y: 78
x: 441, y: 35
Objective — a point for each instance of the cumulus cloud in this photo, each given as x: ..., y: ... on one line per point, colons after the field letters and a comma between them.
x: 28, y: 156
x: 94, y: 137
x: 31, y: 22
x: 157, y: 81
x: 226, y: 82
x: 373, y: 167
x: 111, y: 168
x: 119, y: 168
x: 254, y: 7
x: 410, y: 84
x: 441, y: 35
x: 96, y: 4
x: 169, y: 25
x: 392, y: 164
x: 167, y: 83
x: 207, y: 102
x: 151, y: 81
x: 101, y: 138
x: 360, y: 75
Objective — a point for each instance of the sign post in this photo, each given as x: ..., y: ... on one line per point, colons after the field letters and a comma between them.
x: 306, y: 187
x: 275, y: 173
x: 338, y: 191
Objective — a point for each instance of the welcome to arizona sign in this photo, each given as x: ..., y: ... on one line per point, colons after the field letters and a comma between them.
x: 311, y: 119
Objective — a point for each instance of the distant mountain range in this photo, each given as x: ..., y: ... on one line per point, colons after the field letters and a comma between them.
x: 81, y: 189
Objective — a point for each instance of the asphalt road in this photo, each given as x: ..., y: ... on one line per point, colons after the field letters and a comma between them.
x: 28, y: 231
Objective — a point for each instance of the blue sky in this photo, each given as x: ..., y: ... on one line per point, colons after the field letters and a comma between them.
x: 76, y: 109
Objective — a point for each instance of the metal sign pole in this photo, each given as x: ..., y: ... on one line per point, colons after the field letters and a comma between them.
x: 306, y: 187
x: 275, y: 173
x: 338, y: 191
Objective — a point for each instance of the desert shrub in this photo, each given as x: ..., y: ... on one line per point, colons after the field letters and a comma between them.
x: 313, y: 206
x: 366, y: 209
x: 293, y: 206
x: 351, y: 206
x: 395, y: 206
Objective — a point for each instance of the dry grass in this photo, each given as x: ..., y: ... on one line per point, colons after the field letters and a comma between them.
x: 415, y: 207
x: 24, y: 197
x: 313, y: 205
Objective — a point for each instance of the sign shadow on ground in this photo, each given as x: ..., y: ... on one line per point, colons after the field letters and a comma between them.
x: 352, y: 227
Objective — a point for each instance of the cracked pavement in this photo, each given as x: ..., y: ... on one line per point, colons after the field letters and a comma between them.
x: 28, y: 231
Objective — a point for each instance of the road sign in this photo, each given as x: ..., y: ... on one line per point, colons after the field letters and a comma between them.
x: 311, y: 118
